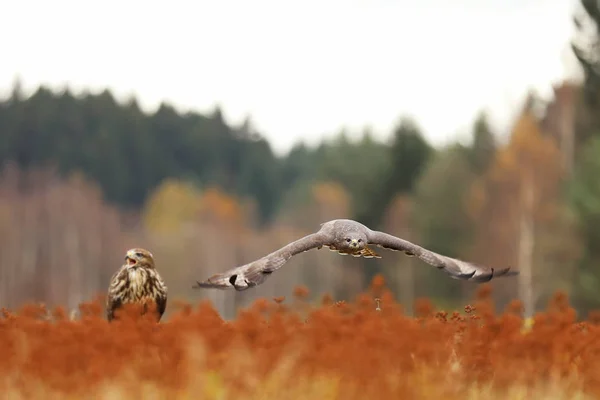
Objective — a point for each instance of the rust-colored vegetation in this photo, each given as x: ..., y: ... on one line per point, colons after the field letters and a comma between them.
x: 293, y: 349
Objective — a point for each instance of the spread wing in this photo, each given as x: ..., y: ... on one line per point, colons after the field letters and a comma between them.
x: 457, y: 269
x: 256, y: 272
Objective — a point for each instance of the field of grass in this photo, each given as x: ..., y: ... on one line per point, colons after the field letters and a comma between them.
x: 279, y: 349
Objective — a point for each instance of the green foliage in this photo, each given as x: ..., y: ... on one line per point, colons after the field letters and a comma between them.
x: 584, y: 191
x: 410, y: 153
x: 129, y: 152
x: 585, y: 185
x: 159, y: 214
x: 359, y: 167
x: 299, y: 165
x: 440, y: 202
x: 484, y: 144
x: 440, y: 211
x: 586, y: 48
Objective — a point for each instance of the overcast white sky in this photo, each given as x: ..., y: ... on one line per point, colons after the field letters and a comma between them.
x: 301, y: 69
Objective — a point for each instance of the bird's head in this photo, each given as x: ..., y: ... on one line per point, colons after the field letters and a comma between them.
x: 139, y: 258
x: 354, y: 241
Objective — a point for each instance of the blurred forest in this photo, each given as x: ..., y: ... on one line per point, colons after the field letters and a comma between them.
x: 85, y: 177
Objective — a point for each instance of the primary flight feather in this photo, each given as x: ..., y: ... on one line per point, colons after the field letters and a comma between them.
x: 346, y: 236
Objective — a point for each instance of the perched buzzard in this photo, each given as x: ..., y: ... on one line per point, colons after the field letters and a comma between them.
x: 346, y: 237
x: 137, y: 281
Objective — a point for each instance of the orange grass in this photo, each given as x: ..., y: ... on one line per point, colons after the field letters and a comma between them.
x: 278, y: 350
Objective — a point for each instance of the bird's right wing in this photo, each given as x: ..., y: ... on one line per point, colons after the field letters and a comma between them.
x: 456, y: 268
x: 256, y: 272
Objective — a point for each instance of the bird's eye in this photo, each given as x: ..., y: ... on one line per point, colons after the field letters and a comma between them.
x: 138, y: 255
x: 348, y: 240
x: 359, y: 240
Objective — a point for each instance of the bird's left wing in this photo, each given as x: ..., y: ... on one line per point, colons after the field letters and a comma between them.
x: 456, y: 268
x: 256, y: 272
x: 161, y: 292
x: 113, y: 298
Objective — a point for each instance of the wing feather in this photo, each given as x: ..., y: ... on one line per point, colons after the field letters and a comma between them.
x: 456, y: 268
x: 113, y: 300
x: 256, y: 272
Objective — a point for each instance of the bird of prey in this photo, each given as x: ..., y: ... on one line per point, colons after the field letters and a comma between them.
x: 346, y: 236
x: 137, y: 281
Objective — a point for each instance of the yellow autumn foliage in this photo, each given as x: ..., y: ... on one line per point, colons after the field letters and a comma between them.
x: 331, y: 199
x: 528, y: 152
x: 172, y: 204
x: 218, y: 207
x: 175, y: 203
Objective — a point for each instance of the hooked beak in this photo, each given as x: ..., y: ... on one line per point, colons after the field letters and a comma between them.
x: 354, y: 243
x: 130, y: 261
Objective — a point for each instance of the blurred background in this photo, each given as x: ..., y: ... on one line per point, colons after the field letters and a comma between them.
x: 213, y: 133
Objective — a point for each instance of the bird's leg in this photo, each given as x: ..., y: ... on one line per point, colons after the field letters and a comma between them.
x: 367, y: 252
x: 377, y: 300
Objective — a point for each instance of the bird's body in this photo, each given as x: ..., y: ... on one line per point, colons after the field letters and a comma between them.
x: 346, y: 236
x: 136, y: 282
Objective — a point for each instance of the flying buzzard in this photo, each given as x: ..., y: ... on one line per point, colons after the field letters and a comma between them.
x: 137, y: 281
x: 346, y: 237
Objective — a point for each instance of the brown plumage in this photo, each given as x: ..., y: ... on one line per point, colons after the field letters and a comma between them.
x: 346, y: 236
x: 137, y: 281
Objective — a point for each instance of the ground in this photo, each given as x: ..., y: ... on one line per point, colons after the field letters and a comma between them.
x: 296, y: 350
